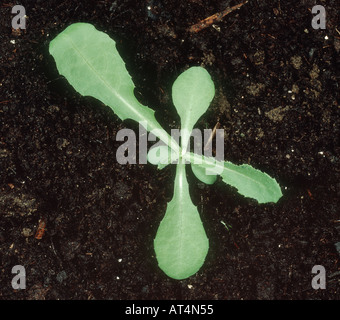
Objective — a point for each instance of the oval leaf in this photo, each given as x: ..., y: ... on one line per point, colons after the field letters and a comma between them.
x: 192, y: 93
x: 181, y: 244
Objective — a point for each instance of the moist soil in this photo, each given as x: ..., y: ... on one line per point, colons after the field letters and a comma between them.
x: 277, y: 99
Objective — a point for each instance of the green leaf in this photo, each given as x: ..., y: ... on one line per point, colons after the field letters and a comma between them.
x: 181, y: 244
x: 249, y: 181
x: 202, y: 175
x: 161, y: 156
x: 192, y: 93
x: 89, y: 60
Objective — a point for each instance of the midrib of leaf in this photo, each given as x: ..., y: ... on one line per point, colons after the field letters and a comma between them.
x: 187, y: 118
x: 186, y: 135
x: 180, y: 175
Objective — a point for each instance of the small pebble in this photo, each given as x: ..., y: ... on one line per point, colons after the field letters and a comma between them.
x: 61, y: 276
x: 26, y: 232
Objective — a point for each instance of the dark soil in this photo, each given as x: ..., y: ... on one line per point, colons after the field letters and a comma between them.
x: 277, y: 82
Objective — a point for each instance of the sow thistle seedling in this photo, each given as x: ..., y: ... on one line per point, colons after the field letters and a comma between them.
x: 91, y: 63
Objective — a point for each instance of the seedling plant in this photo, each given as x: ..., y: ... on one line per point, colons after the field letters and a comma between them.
x: 89, y: 60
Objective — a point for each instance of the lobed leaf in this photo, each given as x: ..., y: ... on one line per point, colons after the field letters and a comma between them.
x: 249, y: 181
x: 89, y: 60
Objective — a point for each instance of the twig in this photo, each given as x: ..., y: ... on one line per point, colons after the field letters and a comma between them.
x: 213, y: 133
x: 214, y: 18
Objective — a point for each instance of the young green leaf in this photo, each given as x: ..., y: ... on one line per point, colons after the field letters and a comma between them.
x: 161, y: 156
x: 249, y: 181
x: 89, y: 60
x: 192, y: 93
x: 181, y: 244
x: 201, y: 174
